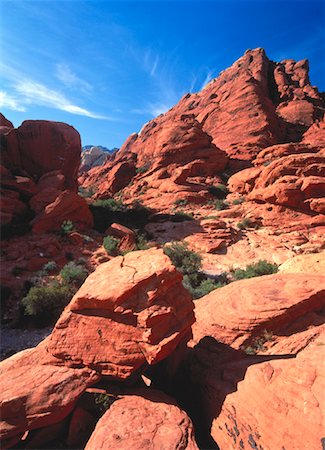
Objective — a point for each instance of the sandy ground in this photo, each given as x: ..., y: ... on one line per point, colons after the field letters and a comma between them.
x: 13, y: 340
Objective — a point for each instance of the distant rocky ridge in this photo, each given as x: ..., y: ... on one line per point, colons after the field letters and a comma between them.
x: 93, y: 156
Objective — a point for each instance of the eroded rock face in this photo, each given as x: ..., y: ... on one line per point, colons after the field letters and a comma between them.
x: 313, y: 263
x: 40, y: 146
x: 131, y: 312
x: 39, y: 175
x: 148, y: 419
x: 282, y: 400
x: 245, y: 308
x: 292, y: 175
x: 34, y: 396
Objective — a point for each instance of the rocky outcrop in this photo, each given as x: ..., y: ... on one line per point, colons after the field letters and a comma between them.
x: 254, y: 104
x: 253, y: 415
x: 290, y: 175
x: 39, y: 175
x: 147, y: 419
x: 131, y: 312
x: 40, y: 146
x: 67, y: 205
x: 93, y: 157
x: 53, y: 396
x: 313, y: 263
x: 245, y: 308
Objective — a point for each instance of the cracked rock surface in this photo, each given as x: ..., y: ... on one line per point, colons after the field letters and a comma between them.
x: 132, y: 311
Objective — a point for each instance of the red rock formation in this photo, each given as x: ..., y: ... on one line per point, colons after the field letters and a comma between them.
x: 39, y: 146
x: 66, y: 206
x: 278, y: 404
x: 148, y: 419
x: 132, y: 311
x: 291, y: 175
x: 54, y: 393
x: 254, y: 104
x: 124, y: 235
x: 245, y: 308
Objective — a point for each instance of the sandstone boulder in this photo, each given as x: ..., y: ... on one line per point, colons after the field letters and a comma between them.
x: 278, y: 404
x: 123, y: 234
x: 40, y: 146
x: 147, y: 420
x: 235, y: 313
x: 35, y: 396
x: 67, y: 206
x: 131, y: 312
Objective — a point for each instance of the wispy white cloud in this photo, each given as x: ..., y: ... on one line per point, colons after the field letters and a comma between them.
x: 38, y: 94
x: 70, y: 79
x: 24, y: 92
x: 7, y: 101
x: 153, y: 109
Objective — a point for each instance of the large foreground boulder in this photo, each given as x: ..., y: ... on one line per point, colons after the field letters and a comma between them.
x: 147, y: 420
x: 131, y: 312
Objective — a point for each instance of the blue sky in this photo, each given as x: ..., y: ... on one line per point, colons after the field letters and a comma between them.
x: 107, y: 67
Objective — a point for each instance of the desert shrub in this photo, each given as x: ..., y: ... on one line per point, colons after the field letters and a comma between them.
x: 66, y: 227
x: 181, y: 202
x: 198, y: 288
x: 262, y: 267
x: 45, y: 303
x: 50, y: 266
x: 104, y: 401
x: 219, y: 204
x: 238, y: 201
x: 219, y: 190
x: 141, y: 241
x: 73, y: 273
x: 111, y: 204
x: 86, y: 193
x: 257, y: 343
x: 143, y: 169
x: 245, y: 223
x: 183, y: 258
x: 189, y: 263
x: 111, y: 244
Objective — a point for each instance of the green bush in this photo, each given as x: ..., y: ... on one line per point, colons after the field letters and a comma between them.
x: 111, y: 245
x: 50, y: 266
x: 245, y: 223
x: 183, y: 258
x: 73, y: 273
x: 202, y: 288
x: 189, y: 263
x: 66, y: 227
x: 141, y: 241
x: 143, y: 169
x: 258, y: 269
x: 181, y: 202
x: 219, y: 190
x: 45, y: 303
x: 219, y: 204
x: 86, y: 193
x: 238, y: 201
x: 111, y: 204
